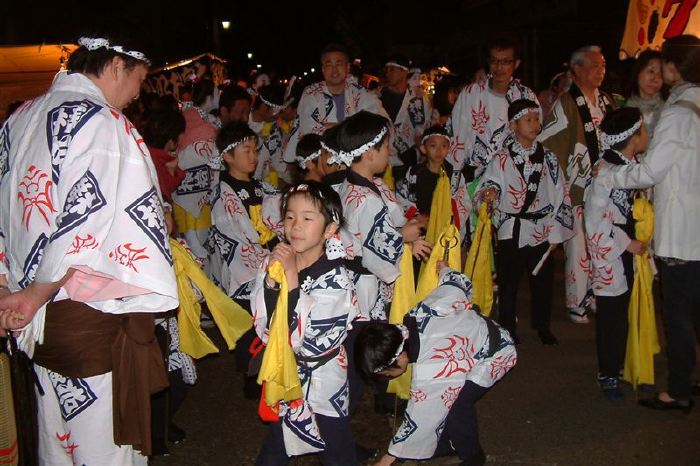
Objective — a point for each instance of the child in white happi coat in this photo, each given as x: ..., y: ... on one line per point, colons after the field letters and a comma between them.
x: 312, y: 159
x: 415, y: 192
x: 321, y: 306
x: 457, y: 355
x: 611, y: 243
x: 532, y: 213
x: 269, y: 102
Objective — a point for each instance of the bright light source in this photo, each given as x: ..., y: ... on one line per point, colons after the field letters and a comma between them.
x: 226, y: 24
x: 258, y: 66
x: 305, y: 73
x: 313, y: 70
x: 250, y: 55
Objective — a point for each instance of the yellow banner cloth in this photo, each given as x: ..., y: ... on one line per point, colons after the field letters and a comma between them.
x: 478, y: 265
x: 429, y: 277
x: 404, y: 299
x: 186, y: 222
x: 388, y: 178
x: 440, y: 208
x: 642, y: 337
x: 278, y: 372
x: 256, y: 218
x: 231, y: 319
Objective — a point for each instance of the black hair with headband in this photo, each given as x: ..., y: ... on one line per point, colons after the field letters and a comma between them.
x: 519, y: 105
x: 359, y: 130
x: 618, y: 121
x: 376, y: 344
x: 321, y: 195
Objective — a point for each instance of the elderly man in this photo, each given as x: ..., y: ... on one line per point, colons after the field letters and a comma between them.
x: 330, y: 101
x: 571, y: 132
x: 408, y: 109
x: 479, y: 120
x: 85, y: 254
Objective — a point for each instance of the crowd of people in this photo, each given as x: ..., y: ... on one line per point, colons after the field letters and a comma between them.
x: 327, y: 231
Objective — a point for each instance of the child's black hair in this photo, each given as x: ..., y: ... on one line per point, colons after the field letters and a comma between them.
x: 323, y: 196
x: 620, y: 120
x: 308, y: 144
x: 434, y: 130
x: 359, y: 129
x: 230, y: 133
x: 162, y: 126
x: 231, y: 94
x: 330, y: 138
x: 375, y: 346
x: 518, y: 105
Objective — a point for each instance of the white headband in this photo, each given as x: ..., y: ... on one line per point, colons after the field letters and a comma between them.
x: 217, y: 162
x: 404, y: 334
x: 609, y: 140
x: 303, y: 160
x: 393, y: 63
x: 275, y: 107
x: 335, y: 215
x: 346, y: 158
x: 428, y: 136
x: 523, y: 112
x: 99, y: 42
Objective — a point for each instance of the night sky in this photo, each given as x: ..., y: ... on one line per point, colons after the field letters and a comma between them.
x: 287, y: 36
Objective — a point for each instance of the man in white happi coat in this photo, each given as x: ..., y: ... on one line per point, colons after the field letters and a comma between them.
x: 86, y: 258
x: 571, y: 132
x: 479, y: 121
x: 329, y: 102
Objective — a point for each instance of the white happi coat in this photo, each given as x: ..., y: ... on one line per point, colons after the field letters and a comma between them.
x: 461, y: 203
x: 270, y: 141
x: 479, y: 122
x: 320, y: 321
x: 413, y: 118
x: 78, y: 190
x: 234, y: 244
x: 317, y: 109
x: 511, y: 187
x: 454, y: 348
x: 197, y: 157
x: 604, y: 209
x: 372, y: 233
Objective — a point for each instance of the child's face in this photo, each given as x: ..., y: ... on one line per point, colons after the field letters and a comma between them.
x: 380, y: 157
x: 244, y: 158
x: 435, y: 149
x: 304, y: 224
x: 642, y: 139
x: 527, y: 127
x: 401, y: 365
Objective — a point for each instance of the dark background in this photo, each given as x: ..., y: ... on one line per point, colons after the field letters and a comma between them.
x: 286, y: 36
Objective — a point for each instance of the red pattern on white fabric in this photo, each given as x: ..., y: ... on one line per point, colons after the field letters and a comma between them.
x: 126, y: 255
x: 480, y: 119
x: 34, y: 191
x: 602, y: 277
x: 449, y: 396
x: 542, y: 234
x: 595, y: 249
x: 67, y: 445
x: 500, y: 365
x: 231, y: 203
x: 517, y: 194
x: 418, y: 395
x: 457, y: 355
x: 83, y: 242
x: 253, y: 255
x: 357, y: 195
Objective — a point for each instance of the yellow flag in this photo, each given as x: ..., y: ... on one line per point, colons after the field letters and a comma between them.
x: 429, y: 277
x: 404, y: 299
x: 440, y: 208
x: 279, y: 366
x: 186, y: 222
x: 478, y: 266
x: 388, y: 178
x: 231, y: 319
x: 642, y: 336
x: 273, y: 178
x: 256, y: 219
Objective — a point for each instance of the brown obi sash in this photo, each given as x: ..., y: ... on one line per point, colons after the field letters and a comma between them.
x: 80, y: 341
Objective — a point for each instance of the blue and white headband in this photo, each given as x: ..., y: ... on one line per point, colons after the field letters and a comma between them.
x: 609, y: 140
x: 94, y: 43
x: 346, y: 158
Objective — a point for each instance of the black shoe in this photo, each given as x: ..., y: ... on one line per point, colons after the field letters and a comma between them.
x: 158, y: 448
x: 547, y: 338
x: 365, y: 454
x: 175, y: 434
x: 655, y: 403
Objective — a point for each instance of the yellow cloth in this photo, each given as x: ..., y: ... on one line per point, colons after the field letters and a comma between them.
x: 440, y: 208
x: 478, y: 266
x: 256, y: 218
x: 273, y: 178
x: 429, y: 277
x: 642, y: 337
x: 404, y: 299
x: 231, y: 319
x: 279, y: 366
x: 266, y: 129
x: 388, y: 178
x: 186, y: 222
